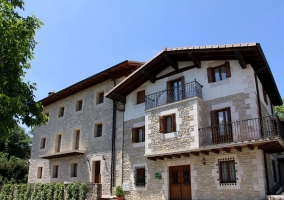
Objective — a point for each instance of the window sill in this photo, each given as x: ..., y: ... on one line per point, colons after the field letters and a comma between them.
x: 222, y: 82
x: 140, y: 144
x: 98, y: 105
x: 169, y: 135
x: 78, y: 112
x: 140, y: 188
x: 97, y: 138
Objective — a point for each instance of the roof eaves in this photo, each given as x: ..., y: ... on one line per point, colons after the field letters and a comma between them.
x: 89, y: 78
x: 139, y: 69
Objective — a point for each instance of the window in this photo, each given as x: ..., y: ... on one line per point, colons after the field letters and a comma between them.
x: 140, y: 177
x: 74, y: 170
x: 55, y: 171
x: 61, y: 112
x: 221, y: 125
x: 47, y: 115
x: 265, y: 97
x: 175, y: 90
x: 219, y: 73
x: 141, y: 97
x: 42, y: 143
x: 274, y: 170
x: 98, y: 130
x: 227, y: 171
x: 58, y: 143
x: 76, y: 139
x: 138, y: 134
x: 39, y: 172
x: 100, y: 97
x: 79, y: 105
x: 168, y: 123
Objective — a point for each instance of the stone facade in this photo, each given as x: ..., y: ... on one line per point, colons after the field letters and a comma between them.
x: 96, y: 148
x: 182, y: 139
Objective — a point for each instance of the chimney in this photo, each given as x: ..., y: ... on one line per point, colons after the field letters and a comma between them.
x: 51, y: 93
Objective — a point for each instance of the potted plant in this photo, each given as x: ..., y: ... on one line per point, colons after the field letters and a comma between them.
x: 119, y: 192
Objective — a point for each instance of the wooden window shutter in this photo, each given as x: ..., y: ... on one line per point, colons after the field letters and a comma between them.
x: 214, y: 119
x: 169, y: 85
x: 210, y: 74
x: 265, y: 97
x: 143, y: 129
x: 214, y: 127
x: 173, y: 122
x: 133, y: 135
x: 229, y: 114
x: 162, y: 124
x: 229, y: 125
x: 228, y: 70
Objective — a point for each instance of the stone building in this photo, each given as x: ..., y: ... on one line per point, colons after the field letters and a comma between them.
x: 77, y: 143
x: 199, y: 124
x: 191, y: 123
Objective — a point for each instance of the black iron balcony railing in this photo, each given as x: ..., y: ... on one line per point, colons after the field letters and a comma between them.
x: 240, y: 131
x: 174, y: 94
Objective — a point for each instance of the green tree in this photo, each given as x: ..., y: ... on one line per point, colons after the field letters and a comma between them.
x: 279, y: 110
x: 14, y: 154
x: 17, y: 143
x: 17, y: 104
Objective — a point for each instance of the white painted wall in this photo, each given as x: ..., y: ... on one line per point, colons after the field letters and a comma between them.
x: 267, y: 106
x: 241, y: 81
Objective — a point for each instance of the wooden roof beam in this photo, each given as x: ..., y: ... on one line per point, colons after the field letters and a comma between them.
x: 250, y: 146
x: 171, y: 62
x: 168, y: 156
x: 226, y: 150
x: 195, y: 153
x: 238, y: 148
x: 194, y: 60
x: 149, y: 76
x: 119, y: 97
x: 185, y: 154
x: 215, y: 151
x: 205, y: 152
x: 240, y: 59
x: 176, y: 155
x: 159, y: 157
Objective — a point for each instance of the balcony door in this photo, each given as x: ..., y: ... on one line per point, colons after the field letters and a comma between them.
x: 221, y: 126
x: 175, y: 90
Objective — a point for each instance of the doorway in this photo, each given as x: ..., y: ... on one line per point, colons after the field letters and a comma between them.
x: 180, y: 184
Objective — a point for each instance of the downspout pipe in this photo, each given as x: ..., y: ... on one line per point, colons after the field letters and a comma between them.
x: 113, y: 143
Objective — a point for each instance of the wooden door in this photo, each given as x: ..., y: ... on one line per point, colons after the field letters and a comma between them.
x: 98, y: 172
x: 180, y: 185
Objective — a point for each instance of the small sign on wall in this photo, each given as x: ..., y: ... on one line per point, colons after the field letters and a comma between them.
x: 126, y: 186
x: 158, y: 175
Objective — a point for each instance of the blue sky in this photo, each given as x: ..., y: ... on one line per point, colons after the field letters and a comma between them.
x: 82, y: 38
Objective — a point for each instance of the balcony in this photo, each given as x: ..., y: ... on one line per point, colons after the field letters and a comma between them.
x: 266, y: 132
x: 173, y: 94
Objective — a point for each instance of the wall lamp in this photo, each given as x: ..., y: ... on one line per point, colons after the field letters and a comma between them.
x: 203, y: 161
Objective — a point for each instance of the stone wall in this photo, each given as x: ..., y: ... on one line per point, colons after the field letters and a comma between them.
x: 96, y: 148
x: 204, y: 178
x: 236, y: 103
x: 186, y: 113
